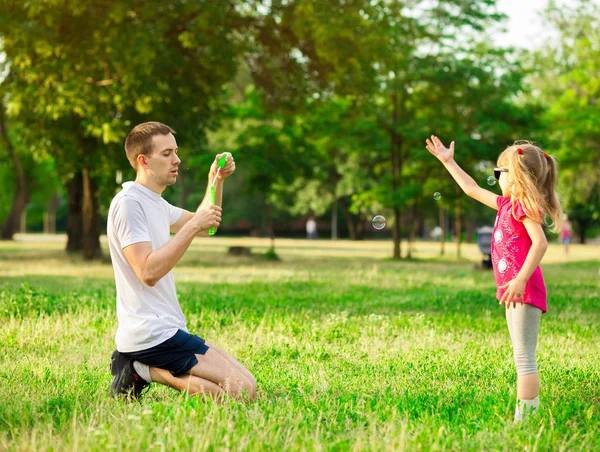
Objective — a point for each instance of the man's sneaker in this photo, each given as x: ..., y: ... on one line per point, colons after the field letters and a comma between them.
x: 125, y: 380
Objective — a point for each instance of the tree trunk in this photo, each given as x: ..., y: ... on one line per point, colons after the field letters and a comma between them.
x: 21, y: 198
x: 75, y: 217
x: 334, y: 178
x: 53, y: 204
x: 470, y: 230
x: 396, y: 233
x: 91, y: 219
x: 351, y: 226
x: 443, y: 231
x: 356, y: 229
x: 412, y: 228
x: 395, y: 155
x: 458, y: 226
x: 334, y: 220
x: 421, y: 227
x: 582, y: 228
x: 271, y: 226
x: 83, y: 223
x: 50, y: 215
x: 360, y: 229
x: 13, y: 221
x: 23, y: 222
x: 356, y: 223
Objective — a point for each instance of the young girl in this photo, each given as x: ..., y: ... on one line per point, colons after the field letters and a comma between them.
x: 566, y: 235
x: 527, y: 177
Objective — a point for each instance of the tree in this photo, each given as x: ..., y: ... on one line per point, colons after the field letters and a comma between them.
x: 21, y: 195
x: 568, y: 80
x: 343, y: 148
x: 270, y: 147
x: 385, y: 56
x: 82, y: 74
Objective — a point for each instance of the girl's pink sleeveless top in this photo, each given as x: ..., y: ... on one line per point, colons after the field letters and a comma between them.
x: 510, y: 245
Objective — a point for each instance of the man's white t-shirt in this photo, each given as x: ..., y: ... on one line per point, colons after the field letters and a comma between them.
x: 147, y: 315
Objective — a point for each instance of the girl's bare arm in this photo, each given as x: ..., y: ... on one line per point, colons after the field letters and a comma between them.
x: 466, y: 182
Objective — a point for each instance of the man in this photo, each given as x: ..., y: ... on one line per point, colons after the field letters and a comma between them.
x: 153, y: 343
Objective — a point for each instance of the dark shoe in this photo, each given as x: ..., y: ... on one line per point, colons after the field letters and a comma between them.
x: 125, y: 380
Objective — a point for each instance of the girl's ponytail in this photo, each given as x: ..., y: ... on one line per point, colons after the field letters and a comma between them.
x: 550, y: 200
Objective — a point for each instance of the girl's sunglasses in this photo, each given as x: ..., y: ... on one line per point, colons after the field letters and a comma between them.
x: 497, y: 172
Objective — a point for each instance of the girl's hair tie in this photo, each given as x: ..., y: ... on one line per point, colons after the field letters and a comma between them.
x: 546, y: 155
x: 520, y: 151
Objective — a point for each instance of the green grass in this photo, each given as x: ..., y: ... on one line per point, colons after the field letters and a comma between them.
x: 351, y: 352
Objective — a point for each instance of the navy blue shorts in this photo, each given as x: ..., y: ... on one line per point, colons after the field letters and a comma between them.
x: 177, y: 355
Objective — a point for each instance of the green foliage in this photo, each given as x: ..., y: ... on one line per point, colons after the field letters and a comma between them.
x: 81, y: 75
x: 569, y: 84
x: 7, y: 187
x: 371, y: 79
x: 315, y: 99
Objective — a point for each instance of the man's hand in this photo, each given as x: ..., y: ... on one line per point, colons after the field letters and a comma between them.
x: 207, y: 218
x: 226, y: 171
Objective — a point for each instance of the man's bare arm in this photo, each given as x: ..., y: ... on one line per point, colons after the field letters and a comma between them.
x: 151, y: 266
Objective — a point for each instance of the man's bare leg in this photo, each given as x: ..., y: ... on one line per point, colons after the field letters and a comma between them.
x: 215, y: 367
x: 186, y: 383
x: 239, y: 366
x: 214, y: 374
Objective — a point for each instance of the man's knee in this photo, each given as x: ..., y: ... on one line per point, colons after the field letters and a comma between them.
x: 241, y: 385
x: 250, y: 386
x: 238, y: 384
x: 251, y: 378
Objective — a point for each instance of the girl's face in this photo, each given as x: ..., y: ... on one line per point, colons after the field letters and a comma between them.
x: 504, y: 183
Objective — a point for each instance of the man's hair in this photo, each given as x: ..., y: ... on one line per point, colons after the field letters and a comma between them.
x: 139, y: 140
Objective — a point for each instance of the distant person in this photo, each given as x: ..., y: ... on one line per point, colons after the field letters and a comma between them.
x: 311, y: 228
x: 153, y: 342
x: 436, y: 233
x: 527, y: 177
x: 566, y: 235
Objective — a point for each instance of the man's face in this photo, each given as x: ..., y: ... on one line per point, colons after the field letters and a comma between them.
x: 163, y: 163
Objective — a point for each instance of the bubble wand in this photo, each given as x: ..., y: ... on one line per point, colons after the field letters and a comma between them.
x: 220, y: 164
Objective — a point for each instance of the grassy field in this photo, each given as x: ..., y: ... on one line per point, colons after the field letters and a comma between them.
x: 351, y: 350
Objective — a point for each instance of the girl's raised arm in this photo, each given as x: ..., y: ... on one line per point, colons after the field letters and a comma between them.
x: 466, y: 182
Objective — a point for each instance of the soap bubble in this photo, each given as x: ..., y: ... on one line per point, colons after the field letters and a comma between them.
x: 437, y: 196
x: 491, y: 180
x: 378, y: 222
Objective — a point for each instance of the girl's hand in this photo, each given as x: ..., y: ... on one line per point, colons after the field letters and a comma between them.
x: 436, y: 147
x: 514, y: 292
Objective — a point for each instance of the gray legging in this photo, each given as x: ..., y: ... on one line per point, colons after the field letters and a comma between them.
x: 524, y: 325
